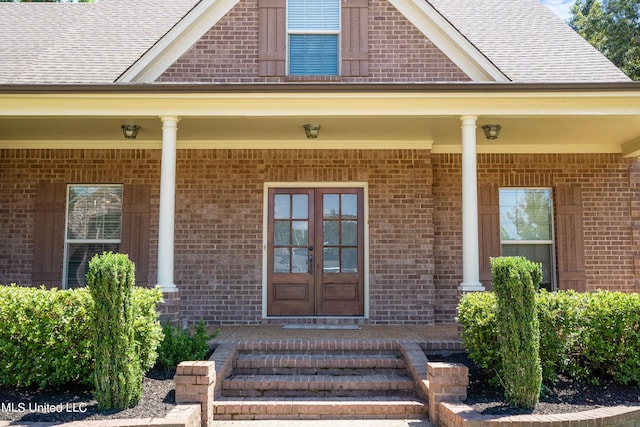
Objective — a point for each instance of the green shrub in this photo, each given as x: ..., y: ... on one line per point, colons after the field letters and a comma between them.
x: 57, y: 324
x: 44, y: 336
x: 118, y: 370
x: 611, y: 336
x: 179, y: 345
x: 582, y: 335
x: 477, y: 315
x: 515, y: 281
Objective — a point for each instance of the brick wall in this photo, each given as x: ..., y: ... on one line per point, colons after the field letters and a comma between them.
x: 20, y: 172
x: 414, y: 218
x: 398, y: 52
x: 604, y: 178
x: 219, y: 230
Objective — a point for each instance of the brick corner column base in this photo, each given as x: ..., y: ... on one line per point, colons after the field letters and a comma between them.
x: 447, y: 383
x: 195, y: 383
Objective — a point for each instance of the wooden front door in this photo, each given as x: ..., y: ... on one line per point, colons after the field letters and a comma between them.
x: 315, y: 253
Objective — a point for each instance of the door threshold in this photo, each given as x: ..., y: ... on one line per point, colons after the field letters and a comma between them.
x: 311, y: 326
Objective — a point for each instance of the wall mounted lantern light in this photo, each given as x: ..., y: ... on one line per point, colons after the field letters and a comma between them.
x: 491, y: 131
x: 130, y: 131
x: 311, y: 130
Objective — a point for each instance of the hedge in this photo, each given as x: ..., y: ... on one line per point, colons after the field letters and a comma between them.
x: 45, y: 337
x: 583, y: 335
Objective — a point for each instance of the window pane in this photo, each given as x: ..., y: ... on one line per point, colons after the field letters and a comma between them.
x: 282, y: 206
x: 535, y: 253
x: 94, y: 212
x: 300, y: 206
x: 300, y: 260
x: 331, y: 206
x: 313, y: 14
x: 281, y: 260
x: 331, y: 260
x: 525, y: 214
x: 349, y: 260
x: 331, y: 233
x: 78, y: 257
x: 349, y: 233
x: 300, y: 233
x: 281, y: 233
x: 313, y: 54
x: 349, y: 206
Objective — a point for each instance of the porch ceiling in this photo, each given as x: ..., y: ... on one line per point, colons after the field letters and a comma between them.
x: 552, y: 121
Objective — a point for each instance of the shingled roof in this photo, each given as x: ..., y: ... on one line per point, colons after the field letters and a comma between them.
x: 95, y: 43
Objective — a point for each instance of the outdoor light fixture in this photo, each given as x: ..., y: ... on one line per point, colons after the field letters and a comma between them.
x: 130, y: 131
x: 311, y: 130
x: 491, y: 131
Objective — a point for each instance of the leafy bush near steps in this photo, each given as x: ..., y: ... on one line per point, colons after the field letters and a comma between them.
x: 45, y: 337
x: 583, y: 335
x: 179, y: 345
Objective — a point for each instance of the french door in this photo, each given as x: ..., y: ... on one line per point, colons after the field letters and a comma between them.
x: 315, y: 252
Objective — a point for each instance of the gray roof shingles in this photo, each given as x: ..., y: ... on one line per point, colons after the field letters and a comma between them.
x: 94, y: 43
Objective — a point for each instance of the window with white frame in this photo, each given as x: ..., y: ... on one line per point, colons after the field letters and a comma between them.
x: 526, y: 228
x: 93, y: 225
x: 313, y: 33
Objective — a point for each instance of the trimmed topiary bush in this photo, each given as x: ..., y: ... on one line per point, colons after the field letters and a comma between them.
x: 118, y: 370
x: 515, y: 280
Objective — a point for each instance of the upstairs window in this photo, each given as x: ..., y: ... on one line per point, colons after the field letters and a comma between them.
x: 526, y: 228
x: 313, y: 33
x: 93, y: 225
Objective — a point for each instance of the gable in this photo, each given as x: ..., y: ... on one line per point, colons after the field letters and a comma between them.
x: 230, y: 51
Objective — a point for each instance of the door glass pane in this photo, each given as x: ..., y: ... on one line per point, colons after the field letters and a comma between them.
x: 331, y: 233
x: 300, y: 206
x: 331, y: 206
x: 535, y: 253
x: 282, y: 206
x: 349, y: 233
x: 300, y: 260
x: 281, y: 260
x: 300, y: 233
x: 349, y: 260
x: 281, y: 233
x: 331, y: 260
x: 349, y: 206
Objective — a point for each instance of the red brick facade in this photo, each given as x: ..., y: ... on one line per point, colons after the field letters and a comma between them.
x: 228, y: 53
x: 414, y: 205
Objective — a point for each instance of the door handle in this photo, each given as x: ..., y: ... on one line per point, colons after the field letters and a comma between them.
x: 311, y: 264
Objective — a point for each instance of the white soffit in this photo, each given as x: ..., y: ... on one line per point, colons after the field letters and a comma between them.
x: 177, y: 41
x: 449, y: 40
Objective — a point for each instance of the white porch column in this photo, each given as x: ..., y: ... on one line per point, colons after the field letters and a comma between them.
x: 167, y: 204
x: 470, y: 248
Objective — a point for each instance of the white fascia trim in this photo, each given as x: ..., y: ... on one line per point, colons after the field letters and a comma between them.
x: 177, y: 41
x: 449, y: 40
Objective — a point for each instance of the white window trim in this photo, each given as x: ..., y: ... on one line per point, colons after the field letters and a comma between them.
x: 554, y: 281
x: 328, y: 32
x: 68, y: 241
x: 265, y: 224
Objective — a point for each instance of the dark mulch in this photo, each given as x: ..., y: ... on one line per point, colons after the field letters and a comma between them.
x: 565, y: 396
x: 76, y: 403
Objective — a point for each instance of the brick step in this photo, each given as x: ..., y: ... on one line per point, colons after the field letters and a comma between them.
x: 319, y: 363
x: 302, y: 408
x: 317, y: 385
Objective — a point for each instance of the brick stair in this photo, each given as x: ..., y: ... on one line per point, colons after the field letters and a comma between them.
x: 315, y: 380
